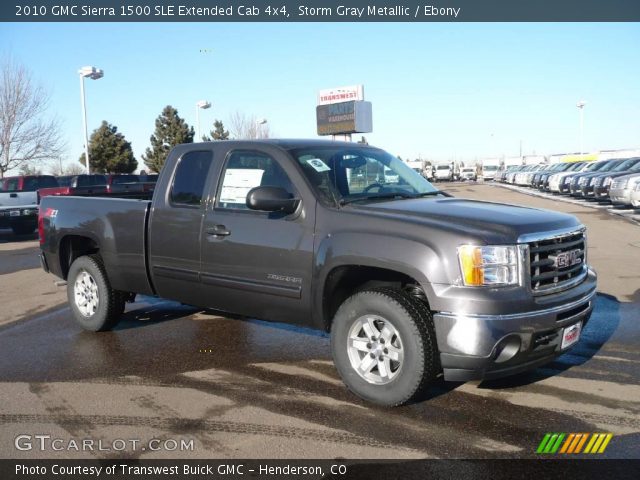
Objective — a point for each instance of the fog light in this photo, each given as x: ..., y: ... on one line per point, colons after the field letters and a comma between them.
x: 507, y: 348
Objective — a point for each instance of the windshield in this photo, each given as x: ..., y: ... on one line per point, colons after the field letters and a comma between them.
x: 490, y: 168
x: 349, y: 174
x: 442, y: 167
x: 610, y: 165
x: 594, y: 167
x: 627, y: 164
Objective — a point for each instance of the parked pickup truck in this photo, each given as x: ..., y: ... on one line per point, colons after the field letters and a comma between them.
x: 19, y: 201
x: 410, y: 283
x: 78, y: 185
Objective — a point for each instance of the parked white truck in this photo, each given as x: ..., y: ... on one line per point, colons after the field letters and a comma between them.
x: 489, y: 168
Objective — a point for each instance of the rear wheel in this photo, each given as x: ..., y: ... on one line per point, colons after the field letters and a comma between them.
x: 384, y: 346
x: 95, y: 305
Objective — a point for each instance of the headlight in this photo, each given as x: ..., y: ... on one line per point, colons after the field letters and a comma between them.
x: 607, y: 181
x: 593, y: 181
x: 488, y: 265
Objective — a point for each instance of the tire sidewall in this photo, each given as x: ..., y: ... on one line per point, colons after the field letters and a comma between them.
x: 403, y: 386
x: 98, y: 320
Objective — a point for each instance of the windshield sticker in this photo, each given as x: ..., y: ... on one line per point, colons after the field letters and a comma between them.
x: 237, y: 183
x: 318, y: 165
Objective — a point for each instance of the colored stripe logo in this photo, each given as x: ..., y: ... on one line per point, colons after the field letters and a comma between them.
x: 571, y: 443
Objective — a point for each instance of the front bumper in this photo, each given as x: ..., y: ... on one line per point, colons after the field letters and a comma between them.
x: 11, y: 216
x: 620, y: 196
x: 474, y: 347
x: 588, y: 191
x: 601, y: 191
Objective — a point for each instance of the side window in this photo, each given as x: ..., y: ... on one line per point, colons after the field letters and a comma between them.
x: 189, y: 179
x: 245, y: 170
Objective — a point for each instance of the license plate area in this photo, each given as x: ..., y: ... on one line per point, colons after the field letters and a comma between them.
x: 571, y: 335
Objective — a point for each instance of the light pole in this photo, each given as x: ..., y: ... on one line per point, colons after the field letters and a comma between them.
x: 580, y: 106
x: 94, y: 74
x: 259, y: 123
x: 202, y: 104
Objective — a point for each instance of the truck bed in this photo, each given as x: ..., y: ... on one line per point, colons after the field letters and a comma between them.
x: 118, y: 226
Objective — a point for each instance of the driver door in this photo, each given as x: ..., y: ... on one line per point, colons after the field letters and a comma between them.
x: 256, y: 263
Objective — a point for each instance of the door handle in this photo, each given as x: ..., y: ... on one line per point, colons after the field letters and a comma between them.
x: 13, y: 195
x: 218, y: 231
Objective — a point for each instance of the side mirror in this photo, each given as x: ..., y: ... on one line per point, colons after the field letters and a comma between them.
x: 271, y: 199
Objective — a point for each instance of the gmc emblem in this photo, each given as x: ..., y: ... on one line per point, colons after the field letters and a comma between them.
x: 566, y: 259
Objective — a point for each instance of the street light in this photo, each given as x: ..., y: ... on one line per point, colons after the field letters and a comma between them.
x: 202, y: 104
x: 259, y: 122
x: 581, y: 105
x: 94, y: 74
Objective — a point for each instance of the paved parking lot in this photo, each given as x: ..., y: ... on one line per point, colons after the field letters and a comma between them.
x: 242, y: 388
x: 625, y: 211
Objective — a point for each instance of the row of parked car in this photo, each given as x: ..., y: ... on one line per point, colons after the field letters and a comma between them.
x: 20, y: 195
x: 614, y: 180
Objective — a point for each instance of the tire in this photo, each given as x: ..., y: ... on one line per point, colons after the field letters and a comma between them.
x: 23, y: 229
x: 412, y: 339
x: 88, y: 279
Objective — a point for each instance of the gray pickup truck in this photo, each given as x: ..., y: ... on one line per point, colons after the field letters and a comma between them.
x: 411, y: 283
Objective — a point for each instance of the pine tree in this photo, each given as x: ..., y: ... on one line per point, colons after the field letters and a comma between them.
x: 218, y: 132
x: 171, y: 130
x: 109, y: 151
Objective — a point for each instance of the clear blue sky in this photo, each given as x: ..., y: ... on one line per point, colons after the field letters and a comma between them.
x: 441, y: 91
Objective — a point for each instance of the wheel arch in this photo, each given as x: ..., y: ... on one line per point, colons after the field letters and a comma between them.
x: 72, y: 247
x: 342, y: 281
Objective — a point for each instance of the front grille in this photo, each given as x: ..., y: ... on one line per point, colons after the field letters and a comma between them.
x: 557, y: 262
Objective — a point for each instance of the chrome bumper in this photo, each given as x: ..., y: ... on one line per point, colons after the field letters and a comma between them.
x: 488, y: 346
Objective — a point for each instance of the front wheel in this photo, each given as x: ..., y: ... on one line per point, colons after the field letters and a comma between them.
x: 384, y: 346
x: 95, y: 305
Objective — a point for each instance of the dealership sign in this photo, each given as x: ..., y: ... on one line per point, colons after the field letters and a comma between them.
x: 341, y: 94
x: 344, y: 118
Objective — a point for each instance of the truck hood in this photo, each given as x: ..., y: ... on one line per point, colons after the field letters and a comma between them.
x: 487, y: 221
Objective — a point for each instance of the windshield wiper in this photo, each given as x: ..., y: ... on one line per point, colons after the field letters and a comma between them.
x: 396, y: 195
x: 402, y: 195
x: 429, y: 194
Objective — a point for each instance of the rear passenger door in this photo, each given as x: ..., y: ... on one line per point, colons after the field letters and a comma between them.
x: 175, y: 226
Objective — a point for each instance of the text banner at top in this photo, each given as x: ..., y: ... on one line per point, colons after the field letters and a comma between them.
x: 321, y: 11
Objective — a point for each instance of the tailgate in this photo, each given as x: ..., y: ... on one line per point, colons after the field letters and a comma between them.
x: 17, y: 199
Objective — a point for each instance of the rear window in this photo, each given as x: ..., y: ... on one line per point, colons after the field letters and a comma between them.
x: 189, y: 180
x: 31, y: 184
x: 64, y: 181
x: 91, y: 180
x: 119, y: 179
x: 11, y: 184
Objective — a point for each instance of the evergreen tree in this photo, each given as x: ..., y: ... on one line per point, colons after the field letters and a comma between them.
x: 109, y: 151
x: 171, y: 130
x: 218, y: 132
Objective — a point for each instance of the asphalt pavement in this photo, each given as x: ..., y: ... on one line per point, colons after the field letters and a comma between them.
x: 244, y: 388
